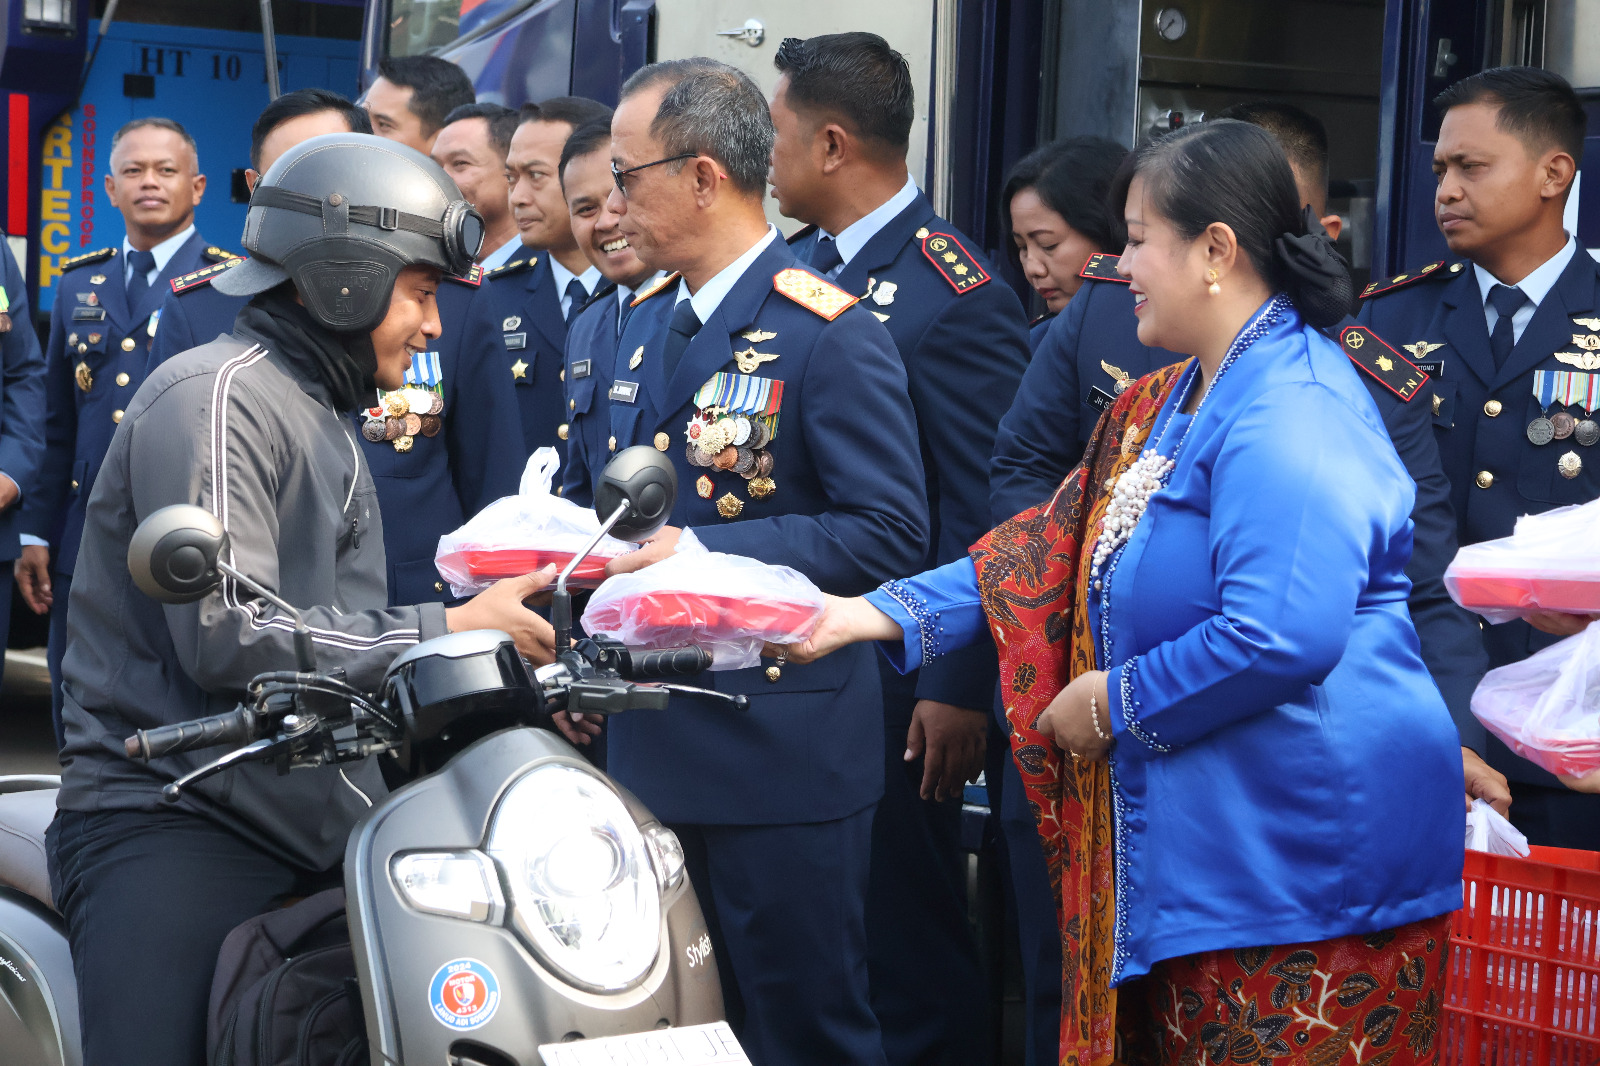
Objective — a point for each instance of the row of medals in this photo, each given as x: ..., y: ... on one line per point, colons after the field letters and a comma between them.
x: 1560, y: 426
x: 406, y: 413
x: 733, y: 442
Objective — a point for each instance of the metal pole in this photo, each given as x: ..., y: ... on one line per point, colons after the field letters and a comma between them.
x: 269, y: 42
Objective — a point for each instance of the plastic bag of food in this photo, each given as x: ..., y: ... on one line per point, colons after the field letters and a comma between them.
x: 1551, y: 562
x: 519, y: 534
x: 728, y: 604
x: 1547, y: 707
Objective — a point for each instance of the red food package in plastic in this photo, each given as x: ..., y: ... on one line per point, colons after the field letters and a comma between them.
x: 728, y: 604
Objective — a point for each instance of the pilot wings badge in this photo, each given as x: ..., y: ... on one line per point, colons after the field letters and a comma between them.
x: 1421, y: 349
x: 750, y: 359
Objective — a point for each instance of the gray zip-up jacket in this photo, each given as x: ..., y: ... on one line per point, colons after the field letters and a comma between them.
x: 253, y: 436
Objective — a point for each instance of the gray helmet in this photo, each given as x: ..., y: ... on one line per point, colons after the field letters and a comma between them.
x: 341, y: 215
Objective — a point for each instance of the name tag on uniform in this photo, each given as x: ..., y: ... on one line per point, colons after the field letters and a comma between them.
x: 1100, y: 399
x: 88, y: 314
x: 580, y: 369
x: 1434, y: 368
x: 516, y: 340
x: 626, y: 391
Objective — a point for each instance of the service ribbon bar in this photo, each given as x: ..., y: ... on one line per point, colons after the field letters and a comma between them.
x: 741, y: 394
x: 425, y: 372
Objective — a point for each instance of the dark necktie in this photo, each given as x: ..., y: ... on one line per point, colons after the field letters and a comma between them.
x: 1505, y: 299
x: 684, y: 325
x: 139, y: 284
x: 576, y: 295
x: 624, y: 312
x: 825, y: 256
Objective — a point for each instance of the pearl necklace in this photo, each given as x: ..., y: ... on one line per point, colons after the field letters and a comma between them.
x: 1131, y: 494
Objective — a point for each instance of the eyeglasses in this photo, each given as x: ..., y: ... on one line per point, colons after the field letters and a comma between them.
x: 618, y: 175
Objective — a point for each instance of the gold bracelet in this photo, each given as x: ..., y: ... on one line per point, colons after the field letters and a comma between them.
x: 1094, y: 718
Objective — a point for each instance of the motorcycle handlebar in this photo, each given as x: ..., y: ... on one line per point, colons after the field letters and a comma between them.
x: 669, y: 662
x: 232, y: 727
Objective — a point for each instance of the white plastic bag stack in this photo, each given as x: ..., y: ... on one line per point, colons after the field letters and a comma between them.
x: 1547, y: 707
x: 1487, y: 830
x: 520, y: 534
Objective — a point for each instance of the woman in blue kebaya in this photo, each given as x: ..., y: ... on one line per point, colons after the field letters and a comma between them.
x: 1247, y: 786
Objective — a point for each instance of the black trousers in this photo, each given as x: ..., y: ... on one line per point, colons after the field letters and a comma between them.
x: 149, y: 897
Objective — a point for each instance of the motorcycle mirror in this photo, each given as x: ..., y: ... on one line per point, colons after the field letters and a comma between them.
x: 643, y: 479
x: 173, y: 554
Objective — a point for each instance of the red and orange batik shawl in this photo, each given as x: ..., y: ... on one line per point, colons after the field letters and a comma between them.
x: 1032, y: 576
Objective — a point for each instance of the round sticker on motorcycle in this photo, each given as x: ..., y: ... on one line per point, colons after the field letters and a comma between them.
x: 463, y: 994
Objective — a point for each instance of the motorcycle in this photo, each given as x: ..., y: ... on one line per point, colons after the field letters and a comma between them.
x: 508, y: 898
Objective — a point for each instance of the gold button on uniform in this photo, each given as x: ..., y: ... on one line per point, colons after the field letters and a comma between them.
x: 127, y: 344
x: 438, y: 586
x: 663, y: 442
x: 563, y: 430
x: 122, y: 379
x: 116, y: 416
x: 572, y: 405
x: 1484, y: 479
x: 562, y: 376
x: 82, y: 347
x: 612, y: 444
x: 1492, y: 408
x: 74, y: 484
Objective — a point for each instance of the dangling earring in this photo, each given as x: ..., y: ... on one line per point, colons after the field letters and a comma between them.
x: 1214, y: 289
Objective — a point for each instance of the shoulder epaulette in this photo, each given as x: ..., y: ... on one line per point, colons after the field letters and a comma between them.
x: 952, y: 260
x: 219, y: 255
x: 1394, y: 371
x: 660, y: 283
x: 813, y: 293
x: 96, y: 256
x: 473, y: 277
x: 507, y: 269
x: 1102, y: 266
x: 1400, y: 281
x: 197, y: 278
x: 801, y: 234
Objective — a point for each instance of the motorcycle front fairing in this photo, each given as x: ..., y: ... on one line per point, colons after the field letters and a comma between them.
x: 502, y: 973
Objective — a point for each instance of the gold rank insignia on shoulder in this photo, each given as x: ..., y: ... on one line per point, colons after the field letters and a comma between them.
x: 96, y: 256
x: 1400, y: 281
x: 811, y: 292
x: 952, y: 260
x: 219, y: 255
x: 652, y: 289
x: 506, y: 269
x: 1102, y: 266
x: 1394, y: 371
x: 197, y: 278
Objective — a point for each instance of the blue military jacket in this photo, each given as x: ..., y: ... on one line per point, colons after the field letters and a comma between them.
x: 438, y: 483
x: 843, y: 505
x: 592, y: 358
x: 963, y: 338
x: 21, y: 396
x: 1481, y: 415
x: 97, y: 355
x: 516, y: 326
x: 1091, y: 351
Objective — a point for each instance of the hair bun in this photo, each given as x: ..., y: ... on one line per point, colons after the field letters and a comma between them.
x: 1317, y: 275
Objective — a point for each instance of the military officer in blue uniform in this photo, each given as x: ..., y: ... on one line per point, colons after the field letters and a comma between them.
x: 519, y: 320
x: 839, y: 164
x: 1092, y: 352
x: 1511, y: 340
x: 99, y: 344
x: 21, y: 419
x: 596, y: 331
x: 431, y: 483
x: 783, y: 405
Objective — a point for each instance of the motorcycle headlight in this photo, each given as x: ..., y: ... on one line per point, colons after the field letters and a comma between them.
x: 583, y: 890
x: 458, y: 884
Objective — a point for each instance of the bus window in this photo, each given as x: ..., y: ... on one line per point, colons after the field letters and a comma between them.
x: 418, y: 26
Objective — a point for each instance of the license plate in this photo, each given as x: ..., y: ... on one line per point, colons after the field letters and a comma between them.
x: 693, y: 1045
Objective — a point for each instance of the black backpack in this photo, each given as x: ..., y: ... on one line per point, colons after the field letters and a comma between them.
x: 285, y: 990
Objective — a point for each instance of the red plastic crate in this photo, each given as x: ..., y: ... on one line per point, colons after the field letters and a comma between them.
x: 1524, y: 981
